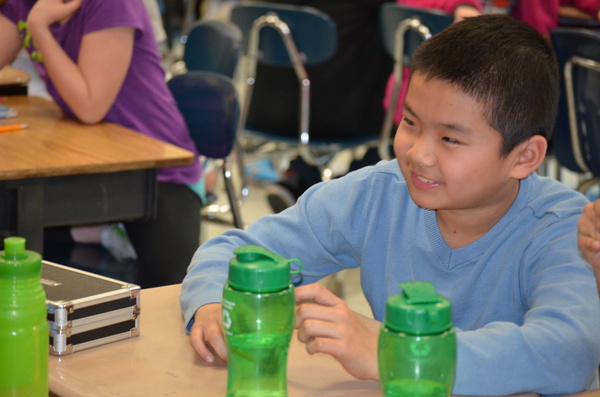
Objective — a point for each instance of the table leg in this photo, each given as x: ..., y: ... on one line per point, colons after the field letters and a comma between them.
x: 30, y: 216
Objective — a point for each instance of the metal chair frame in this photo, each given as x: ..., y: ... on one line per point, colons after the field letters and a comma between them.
x: 579, y: 149
x: 577, y: 138
x: 314, y: 151
x: 271, y: 20
x: 415, y: 24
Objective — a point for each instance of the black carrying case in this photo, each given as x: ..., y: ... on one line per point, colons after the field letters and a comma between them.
x: 87, y: 310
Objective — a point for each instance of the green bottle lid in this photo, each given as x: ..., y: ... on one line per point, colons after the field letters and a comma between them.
x: 15, y: 261
x: 256, y: 269
x: 418, y: 310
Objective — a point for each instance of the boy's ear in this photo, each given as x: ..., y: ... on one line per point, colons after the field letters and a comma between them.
x: 529, y: 155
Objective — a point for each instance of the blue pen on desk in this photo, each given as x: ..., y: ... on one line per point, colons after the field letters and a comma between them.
x: 12, y: 127
x: 6, y: 112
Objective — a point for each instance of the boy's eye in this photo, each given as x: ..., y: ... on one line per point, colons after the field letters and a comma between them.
x: 450, y: 140
x: 407, y: 121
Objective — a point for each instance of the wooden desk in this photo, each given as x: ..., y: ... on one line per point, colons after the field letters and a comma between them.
x: 13, y: 81
x: 60, y: 172
x: 591, y: 393
x: 161, y: 362
x: 12, y: 76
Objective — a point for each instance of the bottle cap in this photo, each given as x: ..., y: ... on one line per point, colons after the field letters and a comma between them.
x: 257, y: 269
x: 15, y: 261
x: 418, y: 310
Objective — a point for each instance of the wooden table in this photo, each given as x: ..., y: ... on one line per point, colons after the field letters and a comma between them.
x: 161, y: 362
x: 10, y: 76
x: 60, y: 172
x: 13, y: 81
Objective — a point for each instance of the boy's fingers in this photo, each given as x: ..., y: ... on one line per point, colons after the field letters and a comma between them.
x: 317, y: 293
x: 589, y: 243
x: 217, y: 343
x: 596, y: 208
x: 199, y: 345
x: 208, y: 344
x: 206, y: 335
x: 312, y: 329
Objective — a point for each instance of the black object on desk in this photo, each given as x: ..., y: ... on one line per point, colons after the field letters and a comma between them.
x: 13, y: 89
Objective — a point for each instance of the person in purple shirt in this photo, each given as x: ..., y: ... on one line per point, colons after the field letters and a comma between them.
x: 100, y: 62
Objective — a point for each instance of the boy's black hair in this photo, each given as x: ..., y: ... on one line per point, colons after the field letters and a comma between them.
x: 503, y: 63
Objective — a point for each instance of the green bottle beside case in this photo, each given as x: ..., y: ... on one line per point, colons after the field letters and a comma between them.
x: 23, y: 322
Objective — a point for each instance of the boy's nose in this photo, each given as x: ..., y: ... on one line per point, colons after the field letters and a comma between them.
x: 421, y: 153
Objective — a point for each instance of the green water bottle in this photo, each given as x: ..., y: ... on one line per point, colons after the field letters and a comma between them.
x: 258, y: 320
x: 417, y: 343
x: 23, y: 325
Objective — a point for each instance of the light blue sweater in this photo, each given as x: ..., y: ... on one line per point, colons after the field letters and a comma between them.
x: 524, y: 301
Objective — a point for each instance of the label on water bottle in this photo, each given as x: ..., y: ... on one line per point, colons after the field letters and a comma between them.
x: 228, y: 306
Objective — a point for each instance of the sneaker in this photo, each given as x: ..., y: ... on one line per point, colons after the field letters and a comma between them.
x: 279, y: 198
x: 114, y: 238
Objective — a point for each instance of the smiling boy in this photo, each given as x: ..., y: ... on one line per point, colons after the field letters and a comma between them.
x: 462, y: 208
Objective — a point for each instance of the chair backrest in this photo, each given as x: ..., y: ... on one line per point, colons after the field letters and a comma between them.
x: 214, y: 46
x: 393, y: 14
x: 313, y: 32
x: 403, y: 28
x: 210, y: 106
x: 577, y: 140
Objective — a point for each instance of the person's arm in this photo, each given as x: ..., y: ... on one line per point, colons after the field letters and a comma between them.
x: 459, y: 8
x: 91, y: 85
x: 288, y: 234
x: 465, y: 11
x: 588, y: 9
x: 10, y: 41
x: 588, y: 236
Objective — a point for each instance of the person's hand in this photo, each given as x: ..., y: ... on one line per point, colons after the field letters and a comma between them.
x: 326, y: 324
x: 46, y: 12
x: 588, y: 236
x: 206, y: 335
x: 465, y: 11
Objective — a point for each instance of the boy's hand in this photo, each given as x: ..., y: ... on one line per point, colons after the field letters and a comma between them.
x: 206, y: 336
x: 327, y: 325
x: 46, y: 12
x: 589, y: 234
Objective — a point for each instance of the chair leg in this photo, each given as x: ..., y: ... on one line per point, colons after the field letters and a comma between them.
x: 587, y: 184
x: 239, y: 154
x: 233, y: 201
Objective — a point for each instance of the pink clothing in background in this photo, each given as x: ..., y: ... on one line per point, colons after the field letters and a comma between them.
x: 540, y: 14
x: 589, y: 6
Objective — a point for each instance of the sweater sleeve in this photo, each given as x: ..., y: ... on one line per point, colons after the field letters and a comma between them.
x: 291, y: 234
x: 557, y: 344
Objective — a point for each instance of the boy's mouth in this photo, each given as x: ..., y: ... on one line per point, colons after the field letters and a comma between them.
x: 420, y: 182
